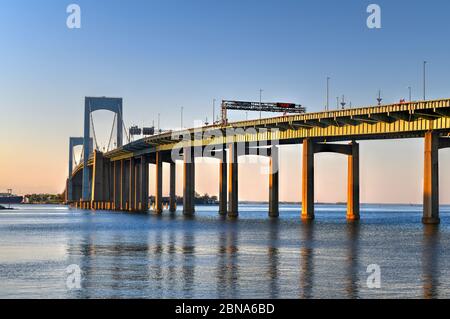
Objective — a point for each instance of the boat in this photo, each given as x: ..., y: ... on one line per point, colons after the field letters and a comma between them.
x: 9, y: 198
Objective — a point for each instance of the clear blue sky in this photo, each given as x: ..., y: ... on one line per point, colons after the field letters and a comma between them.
x: 160, y: 55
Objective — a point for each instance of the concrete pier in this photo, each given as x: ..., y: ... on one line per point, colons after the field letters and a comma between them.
x: 97, y: 177
x: 77, y: 191
x: 233, y: 198
x: 274, y: 183
x: 131, y: 185
x: 352, y: 151
x: 308, y: 180
x: 158, y: 183
x: 189, y: 182
x: 144, y: 180
x: 110, y: 180
x: 137, y: 185
x: 117, y: 184
x: 431, y: 179
x: 123, y: 185
x: 223, y: 176
x: 172, y: 194
x: 353, y: 183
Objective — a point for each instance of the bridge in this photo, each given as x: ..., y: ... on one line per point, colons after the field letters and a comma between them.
x: 119, y: 179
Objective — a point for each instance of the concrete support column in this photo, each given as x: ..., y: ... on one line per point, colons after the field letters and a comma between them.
x: 131, y: 185
x: 172, y: 193
x: 144, y: 180
x: 66, y: 193
x: 158, y: 190
x: 431, y: 179
x: 77, y: 187
x: 308, y: 180
x: 273, y: 183
x: 137, y: 185
x: 117, y: 184
x: 233, y: 199
x: 97, y: 177
x: 110, y: 183
x: 123, y: 184
x: 69, y: 190
x: 189, y: 182
x: 353, y: 183
x: 106, y: 180
x: 223, y: 175
x: 87, y: 151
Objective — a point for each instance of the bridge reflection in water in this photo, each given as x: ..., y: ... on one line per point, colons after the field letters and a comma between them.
x: 430, y: 261
x: 174, y: 257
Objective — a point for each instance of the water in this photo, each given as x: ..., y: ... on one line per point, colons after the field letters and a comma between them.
x: 147, y: 256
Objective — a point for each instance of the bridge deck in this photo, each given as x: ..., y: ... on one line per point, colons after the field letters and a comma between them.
x: 403, y: 120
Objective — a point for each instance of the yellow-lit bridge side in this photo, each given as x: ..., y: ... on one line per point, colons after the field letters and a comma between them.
x: 379, y: 122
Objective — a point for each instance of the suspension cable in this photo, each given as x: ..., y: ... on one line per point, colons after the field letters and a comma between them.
x: 82, y: 154
x: 93, y: 132
x: 126, y: 132
x: 124, y: 128
x: 74, y: 160
x: 112, y: 130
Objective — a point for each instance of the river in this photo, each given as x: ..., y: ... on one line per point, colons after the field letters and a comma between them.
x: 147, y: 256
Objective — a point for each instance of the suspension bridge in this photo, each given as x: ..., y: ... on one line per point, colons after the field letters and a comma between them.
x: 118, y: 178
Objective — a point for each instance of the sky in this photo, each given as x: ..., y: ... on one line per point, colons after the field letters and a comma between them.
x: 163, y: 55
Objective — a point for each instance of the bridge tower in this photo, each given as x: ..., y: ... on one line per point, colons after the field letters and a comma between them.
x: 73, y: 142
x: 92, y: 104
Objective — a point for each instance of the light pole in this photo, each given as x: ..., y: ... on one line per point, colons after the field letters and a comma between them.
x: 379, y: 99
x: 182, y: 117
x: 159, y: 123
x: 409, y: 89
x: 424, y: 80
x: 343, y: 102
x: 328, y: 94
x: 214, y: 112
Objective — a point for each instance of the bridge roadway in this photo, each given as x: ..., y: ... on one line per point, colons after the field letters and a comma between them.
x: 119, y: 179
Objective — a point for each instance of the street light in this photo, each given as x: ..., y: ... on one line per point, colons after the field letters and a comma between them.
x: 379, y: 99
x: 182, y: 117
x: 214, y: 112
x: 159, y: 123
x: 328, y: 94
x: 424, y: 80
